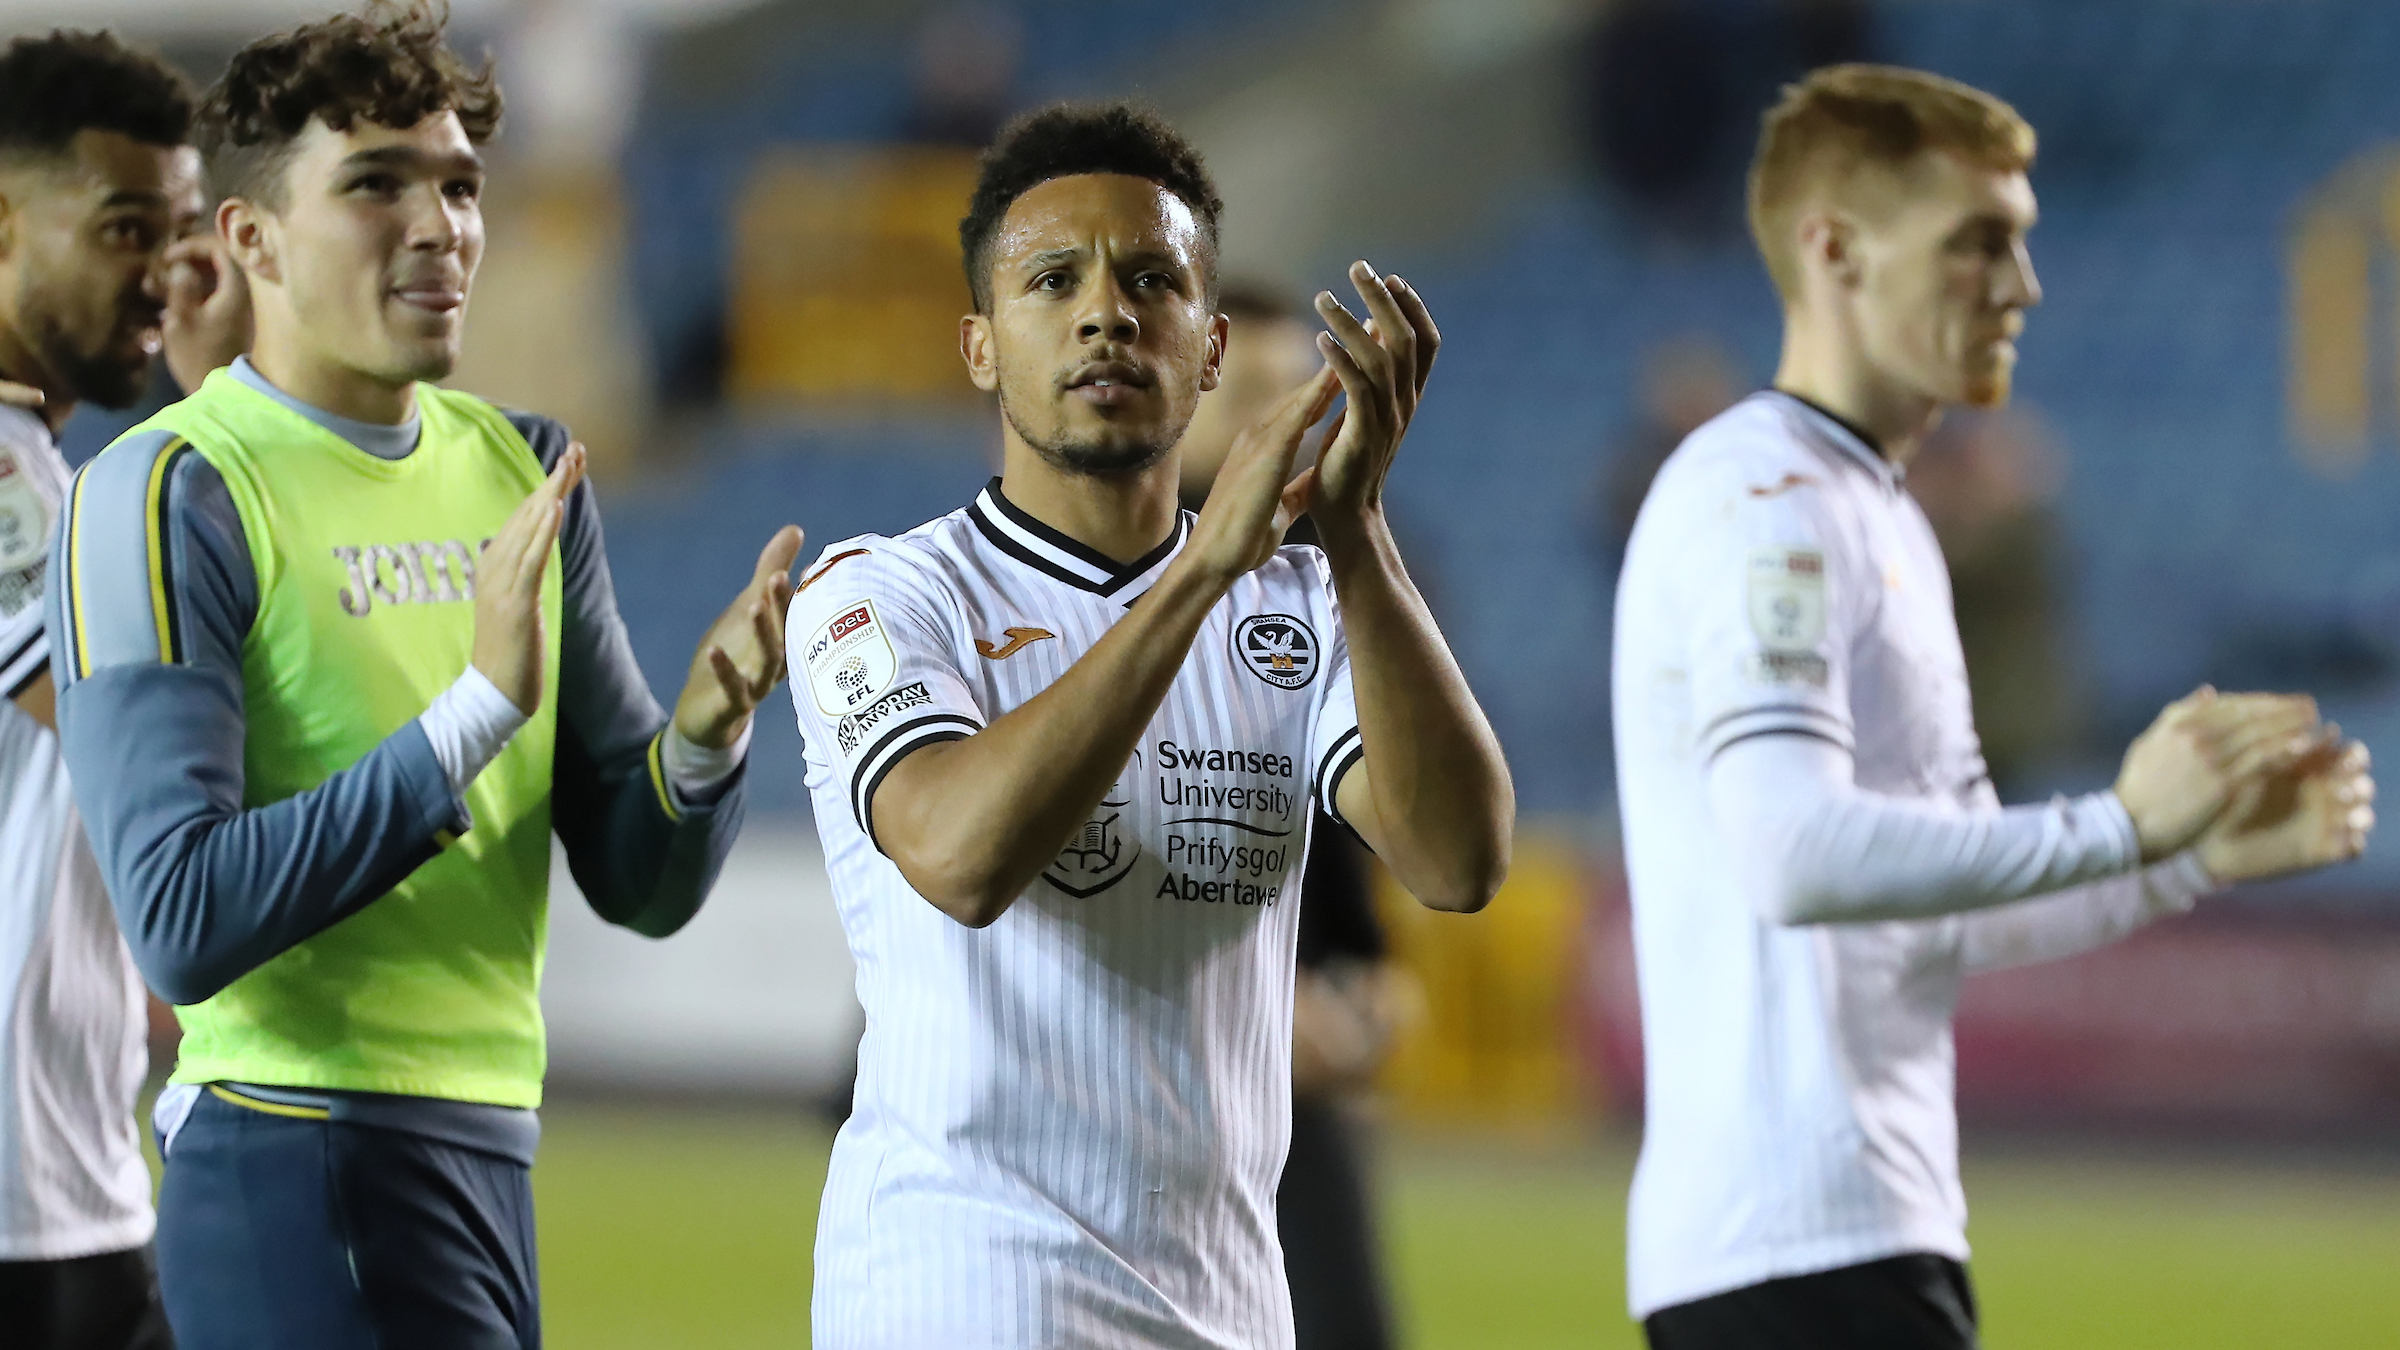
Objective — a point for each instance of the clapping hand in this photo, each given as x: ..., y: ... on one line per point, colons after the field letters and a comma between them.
x: 741, y: 659
x: 2313, y: 812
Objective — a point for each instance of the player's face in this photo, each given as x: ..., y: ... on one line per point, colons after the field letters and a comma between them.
x: 82, y: 294
x: 1945, y: 281
x: 1100, y: 340
x: 376, y: 244
x: 1264, y: 360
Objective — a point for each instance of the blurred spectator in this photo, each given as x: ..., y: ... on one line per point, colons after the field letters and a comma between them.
x: 1676, y: 86
x: 1662, y: 105
x: 1271, y: 349
x: 1827, y: 32
x: 1987, y: 481
x: 1685, y: 381
x: 1343, y: 1004
x: 570, y: 70
x: 966, y: 73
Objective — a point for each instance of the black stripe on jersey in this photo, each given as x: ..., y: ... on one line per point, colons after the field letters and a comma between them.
x: 1142, y: 566
x: 1771, y: 710
x: 1780, y: 729
x: 866, y: 800
x: 1333, y: 785
x: 1014, y: 517
x: 1333, y: 752
x: 32, y: 671
x: 1012, y: 548
x: 1013, y: 528
x: 869, y: 774
x: 169, y: 549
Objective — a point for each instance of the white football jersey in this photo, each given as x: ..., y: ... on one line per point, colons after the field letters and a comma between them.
x: 1069, y: 1125
x: 72, y: 1022
x: 1799, y: 1104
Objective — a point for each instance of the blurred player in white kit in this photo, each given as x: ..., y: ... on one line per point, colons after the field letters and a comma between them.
x: 1816, y: 853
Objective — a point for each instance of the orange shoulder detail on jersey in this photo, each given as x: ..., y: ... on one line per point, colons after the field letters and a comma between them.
x: 1018, y: 640
x: 811, y: 578
x: 1790, y: 481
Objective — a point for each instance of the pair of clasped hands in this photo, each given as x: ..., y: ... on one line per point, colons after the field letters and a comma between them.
x: 2256, y: 784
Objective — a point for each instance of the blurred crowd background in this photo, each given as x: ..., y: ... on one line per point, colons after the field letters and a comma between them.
x: 723, y: 248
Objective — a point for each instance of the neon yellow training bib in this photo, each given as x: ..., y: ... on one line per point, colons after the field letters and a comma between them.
x: 365, y: 588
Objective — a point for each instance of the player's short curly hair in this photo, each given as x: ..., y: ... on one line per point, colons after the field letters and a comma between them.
x: 386, y: 64
x: 1072, y: 138
x: 68, y: 81
x: 1841, y: 119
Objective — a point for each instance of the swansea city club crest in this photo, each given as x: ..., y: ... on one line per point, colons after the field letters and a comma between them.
x: 1277, y: 648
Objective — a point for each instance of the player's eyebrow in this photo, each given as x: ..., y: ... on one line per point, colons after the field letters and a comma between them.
x: 1053, y: 257
x: 409, y: 157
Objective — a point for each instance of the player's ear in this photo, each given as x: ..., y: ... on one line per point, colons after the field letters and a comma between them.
x: 250, y: 238
x: 975, y: 344
x: 1826, y: 243
x: 1212, y: 369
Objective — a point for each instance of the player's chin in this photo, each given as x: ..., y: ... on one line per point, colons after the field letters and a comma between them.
x: 1117, y: 450
x: 418, y: 357
x: 1991, y: 386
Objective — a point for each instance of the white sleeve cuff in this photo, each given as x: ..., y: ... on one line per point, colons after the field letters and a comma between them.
x: 469, y: 723
x: 697, y: 773
x: 2107, y: 811
x: 2178, y: 883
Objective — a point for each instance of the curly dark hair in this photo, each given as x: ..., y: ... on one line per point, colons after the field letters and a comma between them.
x: 1065, y: 139
x: 52, y: 87
x: 387, y: 64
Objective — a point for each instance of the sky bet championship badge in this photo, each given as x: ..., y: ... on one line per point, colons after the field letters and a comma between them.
x: 849, y: 660
x: 1277, y: 648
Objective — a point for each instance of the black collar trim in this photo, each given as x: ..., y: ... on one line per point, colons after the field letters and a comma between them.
x: 1852, y: 437
x: 1054, y: 554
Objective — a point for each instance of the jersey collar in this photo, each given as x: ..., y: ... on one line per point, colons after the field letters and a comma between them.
x: 1847, y: 438
x: 1053, y: 554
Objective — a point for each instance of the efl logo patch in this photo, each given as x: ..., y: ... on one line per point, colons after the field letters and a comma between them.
x: 849, y: 660
x: 1787, y: 598
x: 1276, y: 648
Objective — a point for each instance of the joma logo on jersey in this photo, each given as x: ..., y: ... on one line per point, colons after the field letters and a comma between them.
x: 432, y: 571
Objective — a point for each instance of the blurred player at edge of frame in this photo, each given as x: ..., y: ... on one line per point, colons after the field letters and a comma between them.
x: 98, y: 193
x: 1063, y: 745
x: 1346, y: 994
x: 1817, y: 856
x: 321, y: 740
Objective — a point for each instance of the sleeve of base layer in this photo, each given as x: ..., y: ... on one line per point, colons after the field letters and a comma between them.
x: 1814, y: 847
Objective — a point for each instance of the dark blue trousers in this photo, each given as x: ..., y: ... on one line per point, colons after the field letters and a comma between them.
x: 283, y: 1231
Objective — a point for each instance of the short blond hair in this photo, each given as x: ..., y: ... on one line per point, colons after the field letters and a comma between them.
x: 1841, y: 119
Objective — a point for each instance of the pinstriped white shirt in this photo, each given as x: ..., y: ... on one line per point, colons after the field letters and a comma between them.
x: 72, y: 1025
x: 1068, y: 1125
x: 1799, y: 1107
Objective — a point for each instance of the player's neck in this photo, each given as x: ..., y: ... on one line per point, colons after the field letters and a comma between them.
x: 1836, y: 377
x: 291, y: 364
x: 1122, y: 516
x: 19, y: 364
